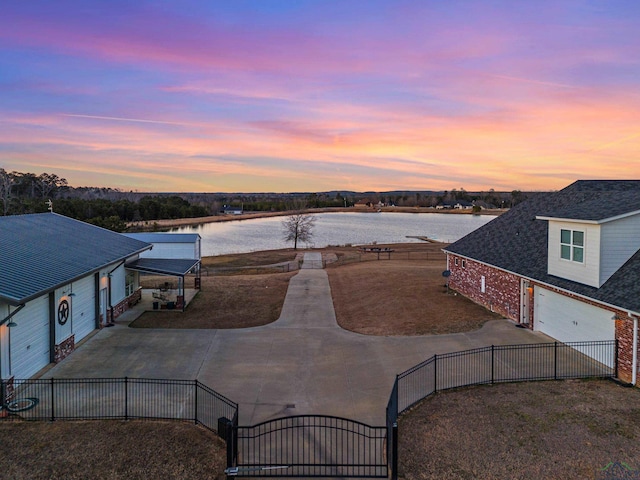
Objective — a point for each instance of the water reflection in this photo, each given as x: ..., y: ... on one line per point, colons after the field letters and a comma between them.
x: 335, y: 229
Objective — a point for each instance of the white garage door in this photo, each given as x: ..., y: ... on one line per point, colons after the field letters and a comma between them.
x: 30, y: 339
x: 569, y: 320
x: 83, y: 307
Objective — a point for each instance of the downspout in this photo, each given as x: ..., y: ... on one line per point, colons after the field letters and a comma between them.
x: 6, y: 319
x: 634, y: 362
x: 111, y: 322
x: 181, y: 289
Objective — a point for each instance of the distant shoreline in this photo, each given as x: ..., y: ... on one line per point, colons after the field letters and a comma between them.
x: 159, y: 225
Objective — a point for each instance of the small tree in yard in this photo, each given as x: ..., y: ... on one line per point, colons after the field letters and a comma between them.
x: 298, y: 227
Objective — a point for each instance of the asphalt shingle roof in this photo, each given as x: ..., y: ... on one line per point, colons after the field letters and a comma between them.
x: 41, y: 252
x: 517, y: 242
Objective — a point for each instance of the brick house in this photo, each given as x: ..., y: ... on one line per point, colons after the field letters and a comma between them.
x: 566, y: 264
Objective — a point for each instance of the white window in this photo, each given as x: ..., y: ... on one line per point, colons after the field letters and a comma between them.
x: 130, y: 283
x: 464, y: 264
x: 456, y: 261
x: 483, y: 284
x: 572, y: 245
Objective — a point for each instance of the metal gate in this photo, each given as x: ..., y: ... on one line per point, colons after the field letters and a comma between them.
x: 307, y: 446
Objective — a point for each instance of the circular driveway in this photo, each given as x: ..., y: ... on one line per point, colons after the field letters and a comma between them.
x: 303, y: 363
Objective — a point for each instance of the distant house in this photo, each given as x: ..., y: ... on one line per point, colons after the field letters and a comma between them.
x: 232, y: 210
x: 566, y: 264
x: 60, y: 279
x: 367, y: 203
x: 463, y: 205
x: 363, y: 204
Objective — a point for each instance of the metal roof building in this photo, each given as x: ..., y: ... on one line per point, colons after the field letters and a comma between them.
x: 60, y: 280
x: 156, y: 237
x: 41, y: 252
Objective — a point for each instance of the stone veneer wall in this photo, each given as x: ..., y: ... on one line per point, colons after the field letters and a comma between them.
x: 64, y: 349
x: 123, y: 306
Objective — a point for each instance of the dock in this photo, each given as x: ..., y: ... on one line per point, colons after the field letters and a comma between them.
x: 424, y: 239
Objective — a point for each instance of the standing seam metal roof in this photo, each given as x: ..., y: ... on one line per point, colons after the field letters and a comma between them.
x: 165, y: 237
x: 41, y: 252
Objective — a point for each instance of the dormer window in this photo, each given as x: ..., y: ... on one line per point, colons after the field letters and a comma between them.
x: 572, y: 245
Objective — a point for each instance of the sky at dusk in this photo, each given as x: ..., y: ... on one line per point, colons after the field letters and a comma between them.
x: 284, y: 96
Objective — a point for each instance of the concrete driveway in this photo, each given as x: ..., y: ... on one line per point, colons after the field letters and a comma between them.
x: 303, y: 363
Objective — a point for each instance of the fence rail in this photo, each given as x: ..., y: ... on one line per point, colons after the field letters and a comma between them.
x: 310, y: 445
x: 121, y: 399
x: 497, y: 364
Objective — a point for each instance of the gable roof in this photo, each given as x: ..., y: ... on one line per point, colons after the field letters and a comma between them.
x: 165, y: 237
x: 43, y: 251
x: 516, y: 241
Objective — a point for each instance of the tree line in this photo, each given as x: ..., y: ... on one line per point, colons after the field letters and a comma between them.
x: 112, y: 208
x: 22, y: 193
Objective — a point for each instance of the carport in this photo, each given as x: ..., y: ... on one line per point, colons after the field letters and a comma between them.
x: 179, y: 268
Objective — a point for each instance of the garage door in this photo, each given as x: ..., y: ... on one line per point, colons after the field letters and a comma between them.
x: 83, y: 309
x: 30, y: 339
x: 569, y: 320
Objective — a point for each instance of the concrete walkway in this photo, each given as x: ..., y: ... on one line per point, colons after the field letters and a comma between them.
x: 303, y: 363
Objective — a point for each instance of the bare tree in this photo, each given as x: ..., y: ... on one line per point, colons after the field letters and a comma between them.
x: 49, y: 183
x: 6, y: 186
x: 298, y: 227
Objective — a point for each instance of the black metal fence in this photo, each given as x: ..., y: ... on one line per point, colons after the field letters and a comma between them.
x: 496, y: 364
x: 119, y: 398
x: 310, y: 446
x: 371, y: 255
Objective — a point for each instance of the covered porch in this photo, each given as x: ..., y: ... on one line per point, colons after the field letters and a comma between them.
x: 171, y: 284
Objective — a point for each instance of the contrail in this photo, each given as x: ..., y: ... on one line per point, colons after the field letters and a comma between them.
x: 614, y: 142
x: 530, y: 80
x: 121, y: 119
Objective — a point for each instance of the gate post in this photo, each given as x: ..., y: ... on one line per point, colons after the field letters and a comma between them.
x: 394, y: 463
x: 195, y: 401
x: 435, y: 373
x: 53, y: 396
x: 126, y: 398
x: 229, y: 439
x: 492, y: 364
x: 615, y: 358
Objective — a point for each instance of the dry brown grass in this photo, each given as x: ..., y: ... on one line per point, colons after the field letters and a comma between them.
x: 267, y: 257
x: 402, y: 296
x: 110, y: 450
x: 226, y: 302
x: 551, y: 430
x: 528, y: 430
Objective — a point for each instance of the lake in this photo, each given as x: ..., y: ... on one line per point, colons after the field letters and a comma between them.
x: 242, y: 236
